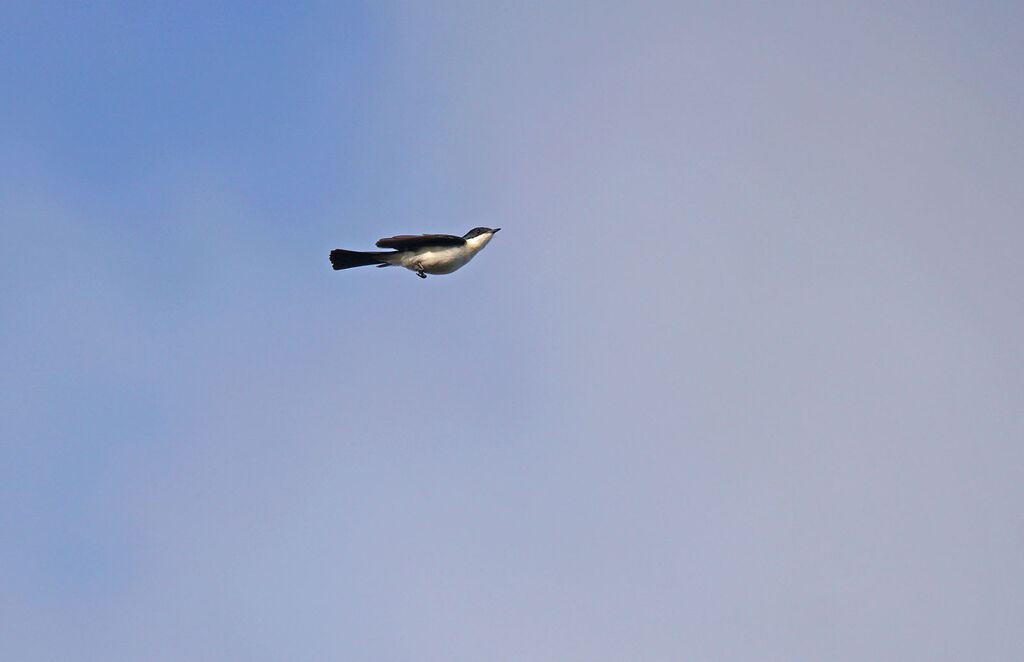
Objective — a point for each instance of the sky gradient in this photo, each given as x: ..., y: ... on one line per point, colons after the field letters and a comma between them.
x: 740, y: 379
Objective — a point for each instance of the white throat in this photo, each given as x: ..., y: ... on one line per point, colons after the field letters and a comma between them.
x: 479, y: 241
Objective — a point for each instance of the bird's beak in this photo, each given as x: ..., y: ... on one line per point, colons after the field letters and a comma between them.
x: 495, y: 230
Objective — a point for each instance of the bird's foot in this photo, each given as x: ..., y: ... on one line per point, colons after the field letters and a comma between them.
x: 421, y: 274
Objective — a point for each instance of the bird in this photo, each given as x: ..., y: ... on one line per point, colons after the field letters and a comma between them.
x: 423, y: 253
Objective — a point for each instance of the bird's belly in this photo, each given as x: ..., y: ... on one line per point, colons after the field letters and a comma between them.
x: 443, y: 261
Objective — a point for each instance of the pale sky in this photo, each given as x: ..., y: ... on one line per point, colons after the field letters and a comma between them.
x: 740, y: 379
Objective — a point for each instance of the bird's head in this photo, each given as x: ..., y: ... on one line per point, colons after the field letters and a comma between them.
x: 476, y: 232
x: 479, y: 236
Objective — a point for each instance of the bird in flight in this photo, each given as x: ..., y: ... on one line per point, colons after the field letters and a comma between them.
x: 422, y: 253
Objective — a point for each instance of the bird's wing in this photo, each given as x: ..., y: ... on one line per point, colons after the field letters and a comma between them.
x: 405, y: 242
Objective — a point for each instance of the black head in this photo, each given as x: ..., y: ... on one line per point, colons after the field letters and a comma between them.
x: 476, y: 232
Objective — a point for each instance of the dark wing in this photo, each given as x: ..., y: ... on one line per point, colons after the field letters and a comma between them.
x: 404, y: 242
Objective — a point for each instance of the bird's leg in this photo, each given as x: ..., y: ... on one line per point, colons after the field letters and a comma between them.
x: 421, y: 274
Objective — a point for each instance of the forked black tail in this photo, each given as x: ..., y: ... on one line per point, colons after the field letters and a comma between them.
x: 342, y: 259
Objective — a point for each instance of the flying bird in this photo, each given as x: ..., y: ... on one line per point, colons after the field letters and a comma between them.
x: 422, y: 253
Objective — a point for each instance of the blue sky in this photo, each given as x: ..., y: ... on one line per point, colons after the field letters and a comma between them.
x: 739, y: 379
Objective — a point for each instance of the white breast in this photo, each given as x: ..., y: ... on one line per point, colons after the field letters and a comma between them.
x: 437, y: 260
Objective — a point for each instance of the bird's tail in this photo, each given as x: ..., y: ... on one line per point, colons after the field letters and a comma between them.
x: 342, y: 259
